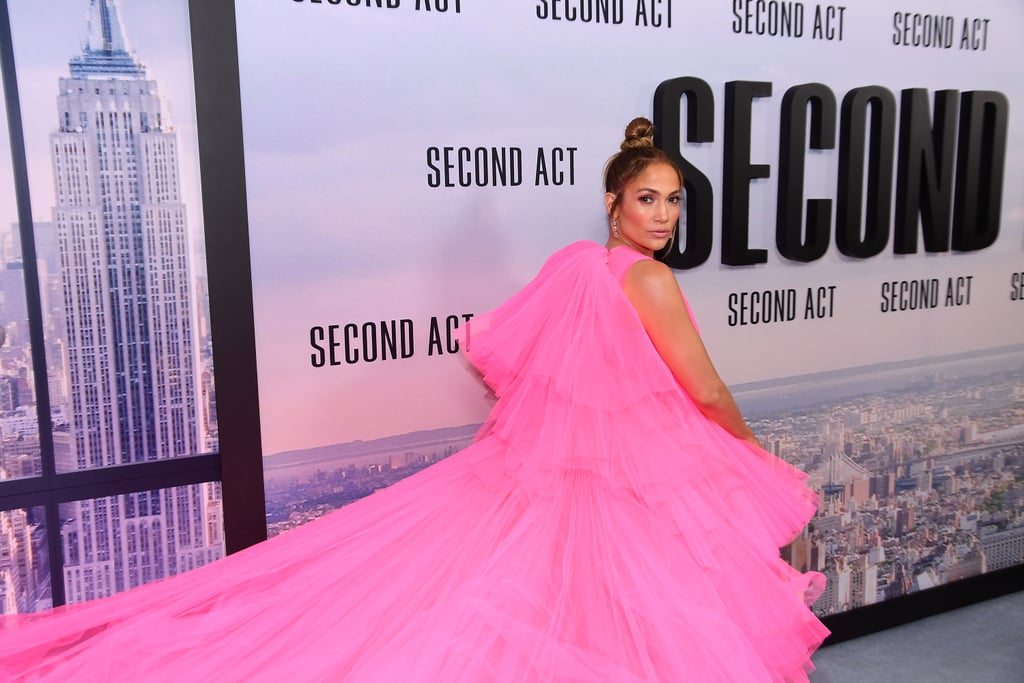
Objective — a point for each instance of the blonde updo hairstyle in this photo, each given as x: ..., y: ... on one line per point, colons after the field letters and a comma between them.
x: 636, y: 153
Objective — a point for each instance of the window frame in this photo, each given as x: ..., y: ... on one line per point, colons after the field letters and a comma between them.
x: 238, y: 465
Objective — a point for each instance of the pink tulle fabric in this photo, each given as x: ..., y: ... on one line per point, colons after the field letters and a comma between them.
x: 600, y: 529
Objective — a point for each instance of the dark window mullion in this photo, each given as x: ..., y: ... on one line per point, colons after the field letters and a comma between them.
x: 32, y: 298
x: 222, y: 176
x: 111, y: 481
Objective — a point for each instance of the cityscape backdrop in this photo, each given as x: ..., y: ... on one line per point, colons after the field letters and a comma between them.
x: 113, y: 181
x: 411, y: 164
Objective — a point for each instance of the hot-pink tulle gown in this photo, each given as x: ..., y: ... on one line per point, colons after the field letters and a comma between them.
x: 600, y: 529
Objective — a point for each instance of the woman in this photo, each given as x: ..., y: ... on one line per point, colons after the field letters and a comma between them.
x: 643, y: 195
x: 614, y: 521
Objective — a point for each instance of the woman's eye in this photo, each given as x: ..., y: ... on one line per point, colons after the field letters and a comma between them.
x: 673, y: 200
x: 646, y: 199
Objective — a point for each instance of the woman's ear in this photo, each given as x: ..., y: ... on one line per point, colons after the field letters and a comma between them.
x: 609, y: 200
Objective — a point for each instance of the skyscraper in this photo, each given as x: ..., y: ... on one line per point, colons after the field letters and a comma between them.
x: 132, y: 348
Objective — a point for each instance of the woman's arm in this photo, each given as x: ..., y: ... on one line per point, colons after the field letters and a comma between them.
x: 653, y: 291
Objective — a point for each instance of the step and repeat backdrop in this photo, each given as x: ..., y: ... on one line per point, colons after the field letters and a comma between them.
x: 851, y: 243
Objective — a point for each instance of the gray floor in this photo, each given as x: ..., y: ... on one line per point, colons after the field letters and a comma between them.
x: 981, y: 643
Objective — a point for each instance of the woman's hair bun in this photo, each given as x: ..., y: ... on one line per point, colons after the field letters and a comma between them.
x: 639, y: 133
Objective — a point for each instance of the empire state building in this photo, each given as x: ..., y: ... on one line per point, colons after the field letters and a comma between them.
x: 133, y: 367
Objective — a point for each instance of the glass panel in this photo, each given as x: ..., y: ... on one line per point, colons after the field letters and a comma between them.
x: 115, y: 543
x: 118, y: 228
x: 19, y: 428
x: 24, y: 562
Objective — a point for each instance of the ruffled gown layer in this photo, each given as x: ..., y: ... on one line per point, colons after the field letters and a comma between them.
x: 600, y: 529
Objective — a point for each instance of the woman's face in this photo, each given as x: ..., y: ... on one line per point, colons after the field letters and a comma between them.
x: 649, y: 209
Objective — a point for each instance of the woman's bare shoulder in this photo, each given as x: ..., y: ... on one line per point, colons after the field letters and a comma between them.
x: 653, y: 281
